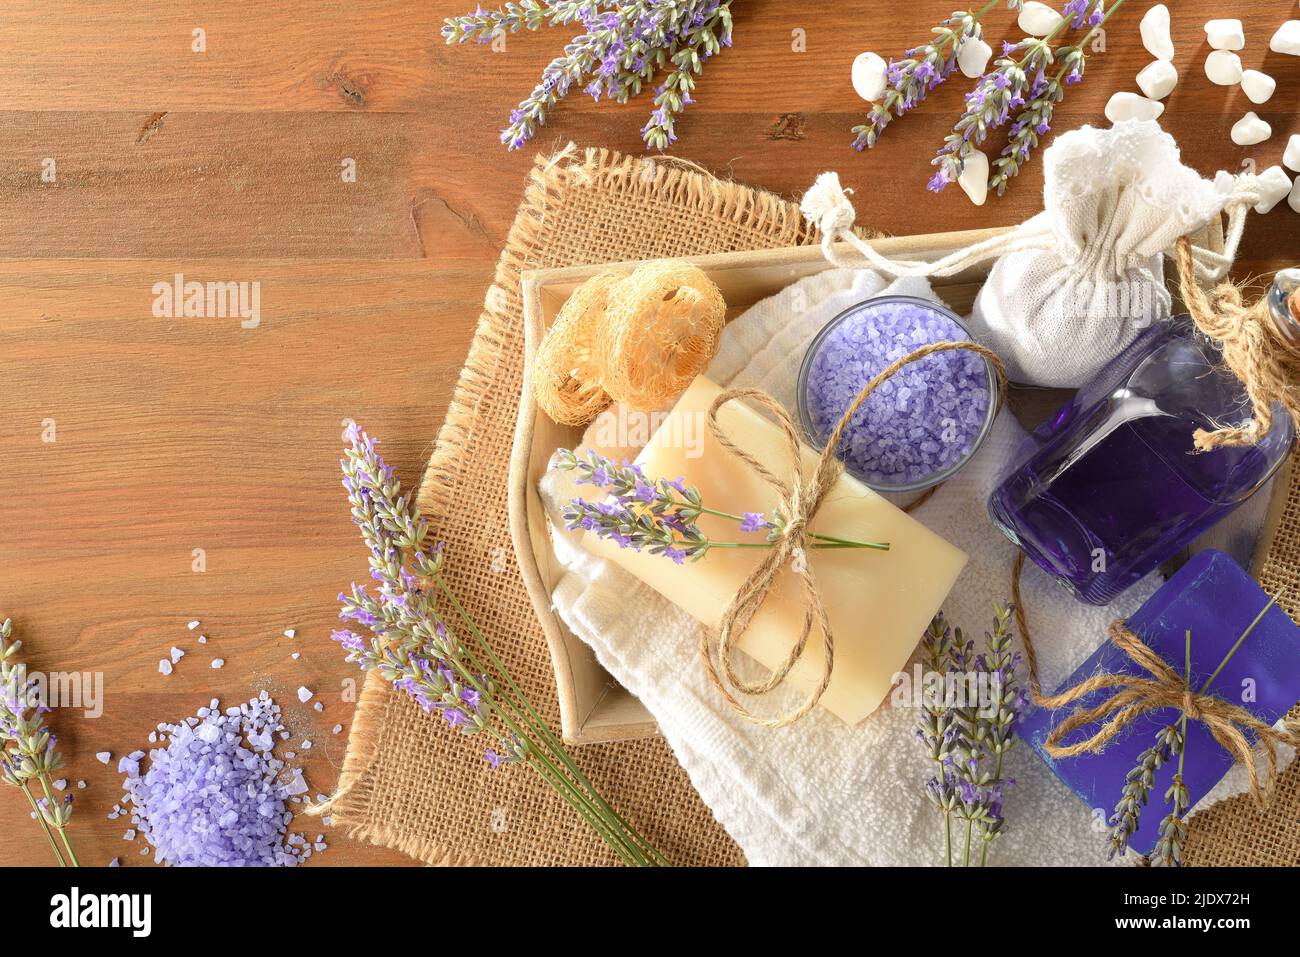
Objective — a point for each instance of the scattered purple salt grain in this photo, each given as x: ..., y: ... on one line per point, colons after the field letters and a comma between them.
x: 318, y: 706
x: 103, y: 757
x: 115, y: 862
x: 917, y: 426
x: 289, y: 633
x: 165, y: 666
x: 129, y: 835
x: 176, y: 654
x: 215, y: 795
x: 296, y: 655
x: 60, y: 784
x: 81, y: 785
x: 336, y: 729
x: 304, y: 695
x: 218, y: 662
x: 306, y: 744
x: 192, y: 625
x: 203, y: 639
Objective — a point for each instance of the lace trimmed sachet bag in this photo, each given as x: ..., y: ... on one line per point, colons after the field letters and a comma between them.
x: 1075, y: 284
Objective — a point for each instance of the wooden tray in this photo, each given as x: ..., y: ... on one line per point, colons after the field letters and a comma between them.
x: 593, y: 706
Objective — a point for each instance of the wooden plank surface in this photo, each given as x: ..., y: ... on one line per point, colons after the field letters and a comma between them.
x: 175, y: 434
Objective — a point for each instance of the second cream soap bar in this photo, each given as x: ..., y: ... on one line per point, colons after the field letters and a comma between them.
x: 879, y: 602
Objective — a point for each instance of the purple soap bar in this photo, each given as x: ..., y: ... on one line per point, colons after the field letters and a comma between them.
x: 1213, y: 597
x: 919, y: 426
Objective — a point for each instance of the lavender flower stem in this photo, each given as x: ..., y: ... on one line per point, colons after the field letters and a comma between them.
x: 63, y: 836
x: 40, y: 818
x: 542, y: 729
x: 835, y: 540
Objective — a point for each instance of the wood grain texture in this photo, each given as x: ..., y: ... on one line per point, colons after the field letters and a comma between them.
x: 176, y: 434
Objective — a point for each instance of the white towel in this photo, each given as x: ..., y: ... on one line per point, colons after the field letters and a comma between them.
x: 819, y: 792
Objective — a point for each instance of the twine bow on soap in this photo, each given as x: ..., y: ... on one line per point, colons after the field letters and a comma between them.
x: 1134, y: 696
x: 1257, y: 351
x: 799, y: 500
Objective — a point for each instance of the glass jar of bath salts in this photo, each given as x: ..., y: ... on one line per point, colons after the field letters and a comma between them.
x: 919, y: 426
x: 1115, y: 486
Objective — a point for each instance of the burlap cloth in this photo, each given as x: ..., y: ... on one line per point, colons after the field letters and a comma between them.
x: 408, y: 782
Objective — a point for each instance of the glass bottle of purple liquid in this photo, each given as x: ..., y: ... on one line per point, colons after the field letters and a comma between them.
x: 1114, y: 487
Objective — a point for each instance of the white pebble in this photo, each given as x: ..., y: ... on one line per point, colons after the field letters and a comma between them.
x: 192, y: 625
x: 304, y: 695
x: 289, y: 632
x: 973, y: 57
x: 1275, y: 185
x: 1249, y: 130
x: 1294, y: 199
x: 165, y: 666
x: 1291, y: 159
x: 869, y: 76
x: 1223, y: 67
x: 218, y: 662
x: 1155, y: 32
x: 974, y: 178
x: 1038, y: 19
x: 1257, y: 86
x: 1225, y: 34
x: 1129, y: 106
x: 176, y: 654
x: 1158, y: 79
x: 1287, y: 38
x: 103, y: 757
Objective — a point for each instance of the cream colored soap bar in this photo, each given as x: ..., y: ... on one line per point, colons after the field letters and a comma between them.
x: 879, y: 602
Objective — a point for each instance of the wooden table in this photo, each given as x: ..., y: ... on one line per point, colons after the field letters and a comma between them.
x: 133, y: 441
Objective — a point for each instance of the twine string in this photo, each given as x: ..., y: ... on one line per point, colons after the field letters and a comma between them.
x: 1259, y: 353
x: 799, y: 499
x: 1133, y: 696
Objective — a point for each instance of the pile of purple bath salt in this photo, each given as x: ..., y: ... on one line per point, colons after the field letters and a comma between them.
x: 919, y: 424
x: 213, y: 794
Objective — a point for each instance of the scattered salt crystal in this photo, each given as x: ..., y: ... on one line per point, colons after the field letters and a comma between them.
x: 176, y: 654
x: 304, y: 695
x: 103, y: 756
x: 321, y: 798
x: 218, y: 662
x: 81, y: 785
x: 296, y: 655
x: 291, y: 754
x: 306, y: 744
x: 115, y: 862
x: 192, y: 625
x: 336, y: 729
x: 289, y: 632
x: 284, y: 735
x: 318, y: 706
x: 327, y: 820
x: 60, y: 784
x: 203, y: 639
x: 129, y: 835
x: 165, y: 666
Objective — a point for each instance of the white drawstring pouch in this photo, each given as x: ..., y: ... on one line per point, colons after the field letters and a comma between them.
x: 1074, y: 285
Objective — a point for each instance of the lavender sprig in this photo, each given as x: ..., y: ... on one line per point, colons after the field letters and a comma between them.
x: 626, y: 44
x: 1137, y: 787
x: 912, y: 78
x: 423, y: 641
x: 938, y: 729
x: 28, y: 748
x: 660, y: 515
x: 1019, y: 75
x: 1034, y: 121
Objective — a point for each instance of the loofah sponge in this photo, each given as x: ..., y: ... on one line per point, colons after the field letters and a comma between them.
x: 637, y: 338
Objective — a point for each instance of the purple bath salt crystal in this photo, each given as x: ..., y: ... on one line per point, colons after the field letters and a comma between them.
x: 918, y: 426
x: 164, y: 666
x: 214, y: 795
x: 304, y: 694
